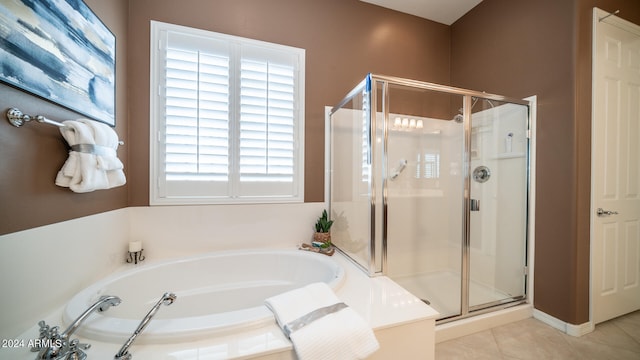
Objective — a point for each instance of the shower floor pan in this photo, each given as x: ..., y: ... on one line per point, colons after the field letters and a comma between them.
x: 441, y: 290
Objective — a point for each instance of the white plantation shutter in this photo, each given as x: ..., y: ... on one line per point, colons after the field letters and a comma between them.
x: 196, y: 115
x: 266, y: 122
x: 228, y: 119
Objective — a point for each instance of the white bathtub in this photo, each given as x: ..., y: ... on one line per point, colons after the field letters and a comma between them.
x: 217, y: 293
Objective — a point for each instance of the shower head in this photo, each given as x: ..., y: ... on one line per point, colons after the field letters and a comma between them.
x: 459, y: 118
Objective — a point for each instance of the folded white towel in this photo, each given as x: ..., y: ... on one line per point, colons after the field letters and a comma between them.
x: 93, y: 163
x: 329, y: 332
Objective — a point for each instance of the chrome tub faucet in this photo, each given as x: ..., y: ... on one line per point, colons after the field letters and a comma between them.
x: 166, y: 299
x: 58, y: 346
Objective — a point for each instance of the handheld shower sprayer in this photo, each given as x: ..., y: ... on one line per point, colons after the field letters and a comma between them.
x: 401, y: 166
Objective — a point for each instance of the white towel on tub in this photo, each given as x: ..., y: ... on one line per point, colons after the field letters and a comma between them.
x: 320, y: 326
x: 93, y: 163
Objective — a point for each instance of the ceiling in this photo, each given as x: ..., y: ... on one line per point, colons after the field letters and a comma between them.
x: 442, y: 11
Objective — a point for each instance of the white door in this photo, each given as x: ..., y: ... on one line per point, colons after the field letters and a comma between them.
x: 615, y: 179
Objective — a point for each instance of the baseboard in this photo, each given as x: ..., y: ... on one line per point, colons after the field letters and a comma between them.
x: 569, y: 329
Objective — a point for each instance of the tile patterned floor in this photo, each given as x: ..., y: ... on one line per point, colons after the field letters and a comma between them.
x: 617, y: 339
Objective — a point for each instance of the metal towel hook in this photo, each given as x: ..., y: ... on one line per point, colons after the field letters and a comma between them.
x: 610, y: 14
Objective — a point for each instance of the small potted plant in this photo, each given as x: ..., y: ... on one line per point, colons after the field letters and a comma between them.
x: 323, y: 227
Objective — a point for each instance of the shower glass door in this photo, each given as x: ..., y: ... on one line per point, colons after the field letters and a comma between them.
x: 424, y: 197
x: 350, y: 183
x: 497, y: 203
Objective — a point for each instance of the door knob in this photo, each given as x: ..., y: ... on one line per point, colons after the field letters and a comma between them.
x: 602, y: 212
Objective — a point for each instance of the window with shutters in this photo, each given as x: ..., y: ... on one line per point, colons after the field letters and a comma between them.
x: 227, y: 118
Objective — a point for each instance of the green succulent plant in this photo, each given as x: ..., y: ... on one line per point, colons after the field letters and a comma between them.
x: 323, y: 225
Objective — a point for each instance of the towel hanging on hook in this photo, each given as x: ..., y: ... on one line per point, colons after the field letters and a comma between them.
x: 93, y: 162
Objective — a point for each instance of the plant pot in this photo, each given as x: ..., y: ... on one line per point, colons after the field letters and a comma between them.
x: 322, y: 237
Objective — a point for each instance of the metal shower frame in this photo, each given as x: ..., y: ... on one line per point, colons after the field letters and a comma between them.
x: 377, y: 264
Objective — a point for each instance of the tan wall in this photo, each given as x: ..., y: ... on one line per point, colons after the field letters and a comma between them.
x: 525, y: 48
x: 522, y: 48
x: 31, y: 156
x: 344, y: 40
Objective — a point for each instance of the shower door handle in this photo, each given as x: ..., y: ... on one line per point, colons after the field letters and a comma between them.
x: 474, y: 205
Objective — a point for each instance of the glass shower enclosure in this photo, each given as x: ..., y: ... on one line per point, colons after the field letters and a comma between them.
x: 429, y: 185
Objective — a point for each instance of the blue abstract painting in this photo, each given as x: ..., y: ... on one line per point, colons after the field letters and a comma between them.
x: 60, y: 51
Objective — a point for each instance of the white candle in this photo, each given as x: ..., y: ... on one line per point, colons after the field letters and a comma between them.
x: 135, y: 246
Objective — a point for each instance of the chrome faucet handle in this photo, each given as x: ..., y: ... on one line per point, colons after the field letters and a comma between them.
x: 52, y: 344
x: 54, y: 333
x: 44, y: 328
x: 44, y: 334
x: 48, y: 336
x: 75, y: 353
